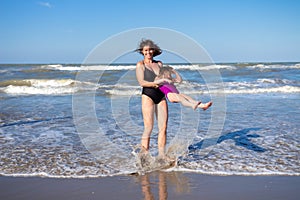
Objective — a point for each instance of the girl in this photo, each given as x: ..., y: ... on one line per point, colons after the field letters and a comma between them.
x: 168, y: 88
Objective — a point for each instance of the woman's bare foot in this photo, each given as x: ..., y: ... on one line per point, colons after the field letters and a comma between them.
x: 166, y: 160
x: 205, y: 106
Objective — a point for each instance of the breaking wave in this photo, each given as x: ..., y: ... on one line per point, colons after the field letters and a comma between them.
x: 43, y: 86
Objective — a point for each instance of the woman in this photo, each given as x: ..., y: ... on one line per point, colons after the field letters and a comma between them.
x: 153, y: 100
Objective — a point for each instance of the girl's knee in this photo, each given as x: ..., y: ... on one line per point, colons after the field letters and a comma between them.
x: 173, y: 98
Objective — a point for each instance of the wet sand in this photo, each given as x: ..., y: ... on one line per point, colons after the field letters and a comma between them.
x: 158, y: 185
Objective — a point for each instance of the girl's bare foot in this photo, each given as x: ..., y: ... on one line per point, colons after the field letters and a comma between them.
x: 205, y: 106
x: 197, y: 105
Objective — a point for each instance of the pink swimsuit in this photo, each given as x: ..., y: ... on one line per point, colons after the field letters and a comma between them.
x: 167, y: 88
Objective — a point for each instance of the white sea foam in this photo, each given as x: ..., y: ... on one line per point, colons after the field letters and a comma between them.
x: 88, y: 67
x: 278, y: 81
x: 47, y: 175
x: 3, y: 71
x: 194, y: 88
x: 54, y: 67
x: 44, y: 86
x: 132, y: 67
x: 40, y: 90
x: 118, y: 92
x: 282, y: 89
x: 179, y: 168
x: 230, y: 173
x: 201, y: 67
x: 274, y: 66
x: 214, y: 67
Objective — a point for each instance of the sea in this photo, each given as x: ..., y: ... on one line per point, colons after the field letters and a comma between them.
x: 80, y: 121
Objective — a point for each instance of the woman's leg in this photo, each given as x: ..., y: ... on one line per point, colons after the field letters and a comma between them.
x: 162, y: 120
x: 148, y: 117
x: 146, y: 187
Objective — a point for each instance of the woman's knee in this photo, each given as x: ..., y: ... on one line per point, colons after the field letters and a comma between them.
x: 148, y: 129
x: 162, y: 128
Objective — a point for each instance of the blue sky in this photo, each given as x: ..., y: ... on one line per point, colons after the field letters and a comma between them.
x: 65, y: 31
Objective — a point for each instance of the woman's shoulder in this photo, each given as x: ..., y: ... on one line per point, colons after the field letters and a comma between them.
x: 140, y: 64
x: 160, y: 64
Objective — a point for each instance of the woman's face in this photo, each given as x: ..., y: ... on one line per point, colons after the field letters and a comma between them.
x: 148, y: 52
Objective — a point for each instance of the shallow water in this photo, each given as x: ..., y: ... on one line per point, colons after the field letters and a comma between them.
x: 41, y: 136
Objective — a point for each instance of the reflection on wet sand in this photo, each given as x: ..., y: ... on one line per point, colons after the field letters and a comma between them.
x: 160, y: 182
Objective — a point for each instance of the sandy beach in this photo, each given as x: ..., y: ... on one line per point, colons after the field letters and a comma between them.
x: 157, y: 185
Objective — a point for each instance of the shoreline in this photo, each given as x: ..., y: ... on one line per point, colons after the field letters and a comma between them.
x: 155, y: 185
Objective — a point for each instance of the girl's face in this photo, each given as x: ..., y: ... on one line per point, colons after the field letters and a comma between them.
x: 148, y: 52
x: 167, y: 74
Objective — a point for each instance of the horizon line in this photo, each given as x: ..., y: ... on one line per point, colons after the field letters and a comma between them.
x: 127, y: 63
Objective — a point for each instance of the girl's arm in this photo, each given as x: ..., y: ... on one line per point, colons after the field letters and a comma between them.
x: 161, y: 81
x: 177, y: 78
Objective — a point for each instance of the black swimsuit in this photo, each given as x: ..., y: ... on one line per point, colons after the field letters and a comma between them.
x: 154, y: 93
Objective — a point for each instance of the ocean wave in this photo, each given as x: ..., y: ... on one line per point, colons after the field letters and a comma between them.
x: 200, y: 67
x: 176, y: 169
x: 78, y: 176
x: 178, y: 66
x: 3, y: 71
x: 275, y: 81
x: 120, y: 92
x: 38, y: 82
x: 235, y: 173
x: 19, y: 90
x: 69, y: 86
x: 217, y: 67
x: 88, y: 67
x: 93, y: 172
x: 275, y: 66
x: 193, y: 88
x: 282, y: 89
x: 43, y: 86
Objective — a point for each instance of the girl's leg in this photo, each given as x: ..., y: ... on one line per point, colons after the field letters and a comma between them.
x: 162, y: 120
x: 174, y: 97
x: 190, y: 99
x: 205, y: 106
x: 148, y: 117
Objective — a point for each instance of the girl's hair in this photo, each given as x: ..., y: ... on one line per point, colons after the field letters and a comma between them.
x: 151, y: 44
x: 164, y: 69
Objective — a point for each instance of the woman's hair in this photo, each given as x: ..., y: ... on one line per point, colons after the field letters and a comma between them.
x: 151, y: 44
